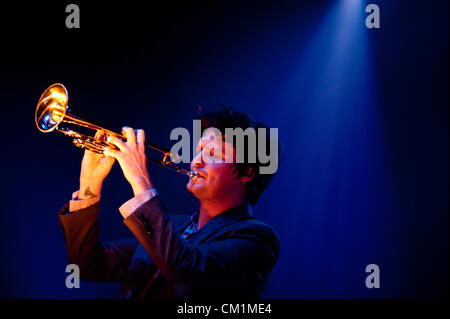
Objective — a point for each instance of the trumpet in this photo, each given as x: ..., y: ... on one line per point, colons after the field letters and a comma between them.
x: 52, y: 113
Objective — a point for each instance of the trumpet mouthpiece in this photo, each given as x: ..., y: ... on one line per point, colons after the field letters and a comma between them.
x: 193, y: 175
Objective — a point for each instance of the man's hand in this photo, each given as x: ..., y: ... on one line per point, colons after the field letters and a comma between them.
x: 94, y: 169
x: 132, y: 159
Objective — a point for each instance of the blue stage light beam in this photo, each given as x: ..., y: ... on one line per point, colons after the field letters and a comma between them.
x: 338, y: 184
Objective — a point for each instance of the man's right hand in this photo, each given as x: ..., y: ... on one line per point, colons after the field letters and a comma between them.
x: 94, y: 169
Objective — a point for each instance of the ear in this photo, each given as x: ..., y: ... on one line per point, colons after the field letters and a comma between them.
x: 248, y: 175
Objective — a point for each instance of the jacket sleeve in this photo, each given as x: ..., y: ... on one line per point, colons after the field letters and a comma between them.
x: 97, y: 261
x: 242, y: 253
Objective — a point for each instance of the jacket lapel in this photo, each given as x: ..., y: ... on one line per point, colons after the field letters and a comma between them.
x: 220, y: 221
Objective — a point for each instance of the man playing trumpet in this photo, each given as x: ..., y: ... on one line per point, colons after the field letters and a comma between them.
x: 220, y: 251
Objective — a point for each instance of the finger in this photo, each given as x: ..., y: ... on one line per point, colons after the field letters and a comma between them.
x: 117, y: 142
x: 109, y: 152
x: 129, y: 134
x: 140, y: 137
x: 100, y: 136
x: 89, y: 153
x: 109, y: 160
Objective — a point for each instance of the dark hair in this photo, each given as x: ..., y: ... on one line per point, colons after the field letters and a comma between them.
x: 232, y: 119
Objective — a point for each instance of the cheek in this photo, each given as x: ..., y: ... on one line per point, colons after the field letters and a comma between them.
x: 224, y: 178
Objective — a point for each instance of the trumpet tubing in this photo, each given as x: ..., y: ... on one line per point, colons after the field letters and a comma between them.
x: 53, y: 111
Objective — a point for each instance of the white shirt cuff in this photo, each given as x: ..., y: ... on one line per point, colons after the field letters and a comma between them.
x: 130, y: 206
x: 77, y: 204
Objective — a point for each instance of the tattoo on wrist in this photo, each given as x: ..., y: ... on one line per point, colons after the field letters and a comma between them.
x: 88, y: 193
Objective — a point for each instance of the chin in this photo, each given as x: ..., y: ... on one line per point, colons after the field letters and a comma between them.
x: 194, y: 187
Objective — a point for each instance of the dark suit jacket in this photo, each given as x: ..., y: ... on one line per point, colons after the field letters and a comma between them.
x: 230, y: 256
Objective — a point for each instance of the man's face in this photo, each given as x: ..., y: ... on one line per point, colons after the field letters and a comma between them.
x: 216, y: 175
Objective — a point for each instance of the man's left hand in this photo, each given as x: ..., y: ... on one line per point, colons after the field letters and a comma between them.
x: 132, y: 159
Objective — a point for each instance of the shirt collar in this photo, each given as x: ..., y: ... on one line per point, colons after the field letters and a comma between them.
x: 194, y: 218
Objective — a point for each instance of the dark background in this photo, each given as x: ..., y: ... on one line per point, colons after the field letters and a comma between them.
x: 363, y: 114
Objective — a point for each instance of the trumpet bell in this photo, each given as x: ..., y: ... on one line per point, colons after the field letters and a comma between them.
x: 51, y: 108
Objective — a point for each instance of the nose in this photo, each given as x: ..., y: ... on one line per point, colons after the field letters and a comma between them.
x: 197, y: 162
